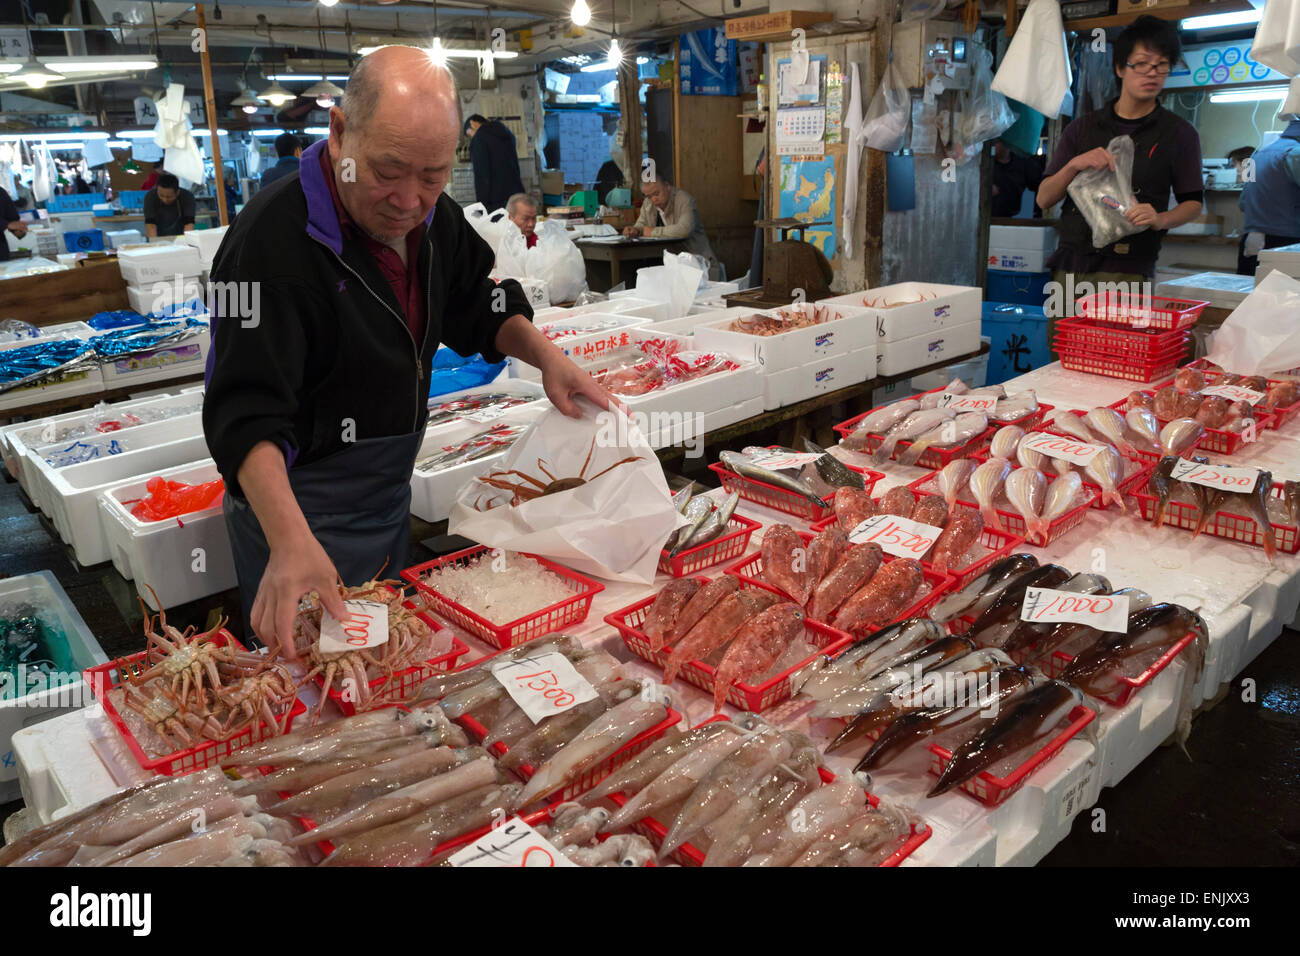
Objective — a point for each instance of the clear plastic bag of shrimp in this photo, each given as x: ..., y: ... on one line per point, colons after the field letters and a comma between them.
x: 1104, y: 196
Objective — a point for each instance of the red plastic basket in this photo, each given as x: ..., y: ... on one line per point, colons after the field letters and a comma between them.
x: 104, y: 678
x: 1274, y: 418
x: 1138, y: 471
x: 778, y: 499
x: 991, y: 790
x: 752, y: 697
x: 1128, y: 685
x: 750, y: 571
x: 1012, y: 521
x: 1140, y: 312
x: 730, y: 545
x: 546, y: 621
x: 1117, y: 364
x: 1217, y: 440
x: 1090, y: 334
x: 1234, y: 527
x: 593, y: 775
x: 998, y: 543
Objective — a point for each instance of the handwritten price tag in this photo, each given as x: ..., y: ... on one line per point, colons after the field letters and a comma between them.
x: 901, y: 537
x: 1105, y: 612
x: 488, y: 413
x: 1220, y: 477
x: 968, y: 403
x: 1234, y: 393
x: 543, y: 686
x: 514, y: 843
x: 781, y: 460
x: 1066, y: 449
x: 365, y: 626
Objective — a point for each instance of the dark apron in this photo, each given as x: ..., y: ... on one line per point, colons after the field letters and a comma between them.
x: 357, y: 503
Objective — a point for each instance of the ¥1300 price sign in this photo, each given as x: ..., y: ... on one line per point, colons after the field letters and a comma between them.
x: 901, y: 537
x: 543, y: 686
x: 514, y: 843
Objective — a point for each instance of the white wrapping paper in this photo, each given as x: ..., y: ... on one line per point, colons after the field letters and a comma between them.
x: 612, y: 527
x: 1261, y: 336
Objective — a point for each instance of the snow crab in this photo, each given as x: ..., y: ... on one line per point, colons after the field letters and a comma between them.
x: 872, y: 303
x: 170, y: 720
x: 268, y: 695
x: 531, y: 487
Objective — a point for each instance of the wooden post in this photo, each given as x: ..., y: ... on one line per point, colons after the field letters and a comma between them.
x: 210, y: 104
x: 1013, y: 17
x: 629, y: 86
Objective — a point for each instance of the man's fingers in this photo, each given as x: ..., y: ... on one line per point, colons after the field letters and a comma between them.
x: 285, y: 612
x: 566, y: 404
x: 333, y: 601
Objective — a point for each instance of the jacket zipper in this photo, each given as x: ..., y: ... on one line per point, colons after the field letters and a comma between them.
x: 419, y: 369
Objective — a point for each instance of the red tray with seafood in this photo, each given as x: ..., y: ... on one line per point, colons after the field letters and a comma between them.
x: 1137, y: 471
x: 1231, y: 525
x: 1217, y: 440
x: 105, y: 678
x: 752, y: 697
x: 779, y: 499
x: 571, y: 610
x: 1117, y: 364
x: 1140, y: 312
x: 1012, y: 521
x: 750, y: 571
x: 1275, y: 417
x: 993, y: 543
x: 730, y: 545
x: 689, y: 855
x: 1092, y: 334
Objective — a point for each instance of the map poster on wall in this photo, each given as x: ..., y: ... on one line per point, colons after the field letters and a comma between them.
x: 808, y: 193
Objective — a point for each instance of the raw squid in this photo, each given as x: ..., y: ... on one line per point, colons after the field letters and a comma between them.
x: 980, y: 592
x: 634, y: 775
x: 867, y: 655
x: 853, y: 697
x: 736, y: 834
x: 818, y: 811
x: 867, y: 839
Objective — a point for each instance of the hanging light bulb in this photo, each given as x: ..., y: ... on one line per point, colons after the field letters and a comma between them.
x: 615, y: 54
x: 436, y: 53
x: 35, y: 75
x: 246, y: 102
x: 580, y: 14
x: 275, y: 94
x: 325, y: 93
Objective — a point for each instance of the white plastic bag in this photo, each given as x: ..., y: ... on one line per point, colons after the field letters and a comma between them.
x: 1261, y: 336
x: 985, y: 114
x: 512, y: 255
x: 886, y: 124
x: 676, y: 282
x: 490, y: 225
x: 556, y: 260
x: 1036, y: 68
x: 1104, y: 196
x: 611, y: 527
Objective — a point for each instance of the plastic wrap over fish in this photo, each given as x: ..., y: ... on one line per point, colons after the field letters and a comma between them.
x: 128, y: 341
x: 32, y: 363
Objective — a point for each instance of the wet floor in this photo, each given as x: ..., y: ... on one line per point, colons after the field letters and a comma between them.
x: 1237, y: 802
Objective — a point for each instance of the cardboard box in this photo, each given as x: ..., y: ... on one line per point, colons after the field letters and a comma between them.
x: 553, y: 181
x: 924, y: 307
x: 773, y: 26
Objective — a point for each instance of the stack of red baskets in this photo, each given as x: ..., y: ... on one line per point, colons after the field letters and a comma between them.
x: 1120, y: 335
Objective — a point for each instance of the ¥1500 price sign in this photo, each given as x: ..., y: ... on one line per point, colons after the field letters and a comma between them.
x: 365, y: 626
x: 514, y: 843
x: 901, y: 537
x: 1105, y: 612
x: 1221, y: 477
x: 544, y: 685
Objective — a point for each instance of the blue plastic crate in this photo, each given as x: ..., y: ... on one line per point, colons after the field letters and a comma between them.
x: 84, y: 240
x: 1019, y: 339
x: 75, y: 202
x: 1025, y: 288
x: 132, y: 198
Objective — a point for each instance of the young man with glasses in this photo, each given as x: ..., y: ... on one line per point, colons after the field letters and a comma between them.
x: 1166, y: 159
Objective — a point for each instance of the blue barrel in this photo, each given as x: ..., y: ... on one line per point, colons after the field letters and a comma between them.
x: 1019, y: 339
x: 1026, y: 288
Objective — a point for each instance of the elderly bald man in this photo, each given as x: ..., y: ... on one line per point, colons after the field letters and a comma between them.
x: 316, y: 403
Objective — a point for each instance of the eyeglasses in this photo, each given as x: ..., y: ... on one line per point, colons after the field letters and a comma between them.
x: 1146, y: 69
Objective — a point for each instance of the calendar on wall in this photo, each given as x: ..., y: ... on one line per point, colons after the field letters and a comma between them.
x: 801, y: 132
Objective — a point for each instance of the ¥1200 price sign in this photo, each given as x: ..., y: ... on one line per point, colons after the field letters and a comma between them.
x: 543, y: 686
x: 1105, y: 612
x: 514, y: 843
x: 901, y: 537
x: 365, y: 626
x: 1220, y: 477
x: 1234, y: 393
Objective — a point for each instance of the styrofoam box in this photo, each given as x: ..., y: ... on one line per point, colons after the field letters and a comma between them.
x: 974, y: 372
x: 206, y: 241
x: 895, y: 358
x: 1283, y: 258
x: 164, y: 555
x: 187, y: 357
x: 1023, y: 238
x: 1223, y: 290
x: 943, y: 306
x: 123, y: 237
x: 511, y: 386
x: 850, y: 332
x: 163, y: 261
x: 826, y: 375
x: 71, y: 504
x: 42, y: 590
x: 629, y: 303
x: 582, y: 347
x: 432, y: 494
x: 716, y: 290
x: 1018, y: 260
x: 151, y: 297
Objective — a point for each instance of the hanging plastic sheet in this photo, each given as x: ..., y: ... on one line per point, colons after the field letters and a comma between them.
x: 34, y: 363
x: 1277, y: 38
x: 885, y: 127
x: 1036, y: 67
x: 453, y: 372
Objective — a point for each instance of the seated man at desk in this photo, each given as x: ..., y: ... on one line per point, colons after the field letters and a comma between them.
x: 669, y: 213
x: 522, y: 210
x: 168, y: 209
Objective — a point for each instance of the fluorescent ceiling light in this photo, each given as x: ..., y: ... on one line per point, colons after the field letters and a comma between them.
x: 67, y: 146
x: 1210, y: 21
x: 600, y: 66
x: 317, y: 130
x: 53, y: 137
x: 267, y: 132
x: 119, y: 144
x: 100, y: 64
x: 1250, y: 96
x: 450, y: 51
x: 148, y: 133
x: 307, y: 77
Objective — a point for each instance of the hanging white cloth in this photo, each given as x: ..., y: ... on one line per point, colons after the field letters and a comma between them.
x: 174, y: 134
x: 1036, y: 68
x: 253, y: 158
x: 1291, y: 106
x: 852, y: 136
x: 41, y: 178
x: 1277, y: 38
x: 97, y: 153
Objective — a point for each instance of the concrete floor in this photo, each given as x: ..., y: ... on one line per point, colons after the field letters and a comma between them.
x: 1236, y: 803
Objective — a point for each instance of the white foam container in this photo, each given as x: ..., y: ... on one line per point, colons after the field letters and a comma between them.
x: 628, y: 302
x: 808, y: 381
x: 42, y: 590
x: 151, y: 297
x: 142, y: 265
x: 165, y: 555
x: 119, y: 238
x: 936, y: 345
x: 581, y: 348
x: 73, y: 490
x: 1283, y: 258
x: 206, y: 241
x: 187, y: 357
x: 850, y: 332
x: 1223, y: 290
x: 533, y: 391
x: 1018, y: 260
x: 942, y: 307
x: 1021, y: 248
